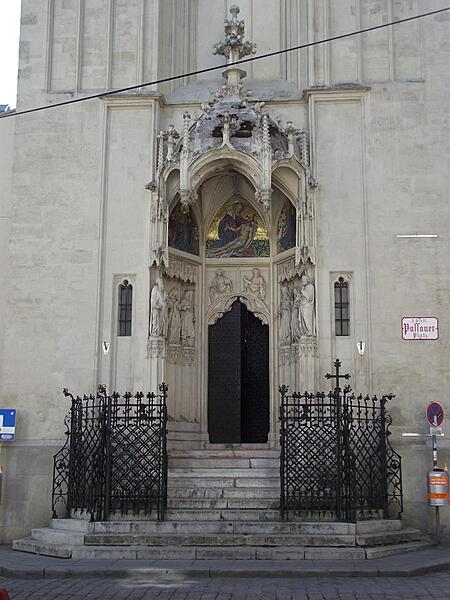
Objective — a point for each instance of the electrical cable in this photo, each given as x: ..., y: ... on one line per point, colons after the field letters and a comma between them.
x: 221, y: 67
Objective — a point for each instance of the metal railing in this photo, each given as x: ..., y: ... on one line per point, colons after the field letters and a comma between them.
x: 336, y: 459
x: 114, y: 461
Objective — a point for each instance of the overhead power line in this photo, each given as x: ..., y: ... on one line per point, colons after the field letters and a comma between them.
x: 216, y: 68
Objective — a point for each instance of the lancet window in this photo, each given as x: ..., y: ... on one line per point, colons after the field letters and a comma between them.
x: 341, y: 307
x: 125, y: 308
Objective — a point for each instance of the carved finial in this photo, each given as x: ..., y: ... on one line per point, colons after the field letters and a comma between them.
x: 235, y: 10
x: 234, y: 47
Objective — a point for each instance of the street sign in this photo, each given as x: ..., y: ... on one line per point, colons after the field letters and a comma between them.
x: 435, y: 414
x: 7, y: 424
x: 420, y: 328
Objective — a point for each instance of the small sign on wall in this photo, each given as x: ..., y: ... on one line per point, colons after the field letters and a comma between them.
x: 7, y: 424
x: 420, y: 328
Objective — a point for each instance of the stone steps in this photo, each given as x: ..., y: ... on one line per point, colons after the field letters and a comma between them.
x: 215, y: 553
x: 175, y: 480
x: 210, y: 493
x: 230, y: 464
x: 223, y: 503
x: 225, y: 452
x: 136, y: 528
x: 219, y: 533
x: 232, y: 473
x: 360, y: 528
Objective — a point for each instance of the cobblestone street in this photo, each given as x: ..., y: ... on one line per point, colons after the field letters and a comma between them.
x: 431, y: 586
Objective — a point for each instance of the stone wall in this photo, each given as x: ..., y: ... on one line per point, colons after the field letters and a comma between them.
x: 80, y: 212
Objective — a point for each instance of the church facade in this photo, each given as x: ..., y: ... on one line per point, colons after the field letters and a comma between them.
x: 227, y: 232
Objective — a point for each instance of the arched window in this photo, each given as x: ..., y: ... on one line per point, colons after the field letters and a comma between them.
x: 125, y: 308
x: 341, y: 307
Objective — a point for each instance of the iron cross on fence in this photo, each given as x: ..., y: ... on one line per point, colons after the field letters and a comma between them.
x: 337, y: 376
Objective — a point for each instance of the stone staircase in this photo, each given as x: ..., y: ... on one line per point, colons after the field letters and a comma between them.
x: 222, y: 504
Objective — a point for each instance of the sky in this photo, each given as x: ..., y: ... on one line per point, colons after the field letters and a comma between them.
x: 9, y: 50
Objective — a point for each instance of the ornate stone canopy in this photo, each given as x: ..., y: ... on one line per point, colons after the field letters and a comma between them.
x: 231, y: 131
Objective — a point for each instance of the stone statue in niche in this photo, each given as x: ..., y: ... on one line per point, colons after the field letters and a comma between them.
x: 220, y: 285
x: 187, y: 312
x: 173, y: 317
x: 255, y: 284
x: 285, y: 316
x: 307, y: 300
x: 295, y: 317
x: 158, y: 310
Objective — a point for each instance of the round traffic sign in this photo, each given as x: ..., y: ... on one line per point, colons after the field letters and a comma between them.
x: 435, y: 414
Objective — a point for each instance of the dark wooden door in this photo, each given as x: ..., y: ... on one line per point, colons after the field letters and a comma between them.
x: 254, y: 378
x: 238, y: 378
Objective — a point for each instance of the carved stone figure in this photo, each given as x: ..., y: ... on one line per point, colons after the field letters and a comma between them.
x: 307, y: 321
x: 255, y: 284
x: 173, y: 317
x: 187, y: 311
x: 158, y: 310
x: 295, y: 317
x: 284, y: 314
x: 220, y: 285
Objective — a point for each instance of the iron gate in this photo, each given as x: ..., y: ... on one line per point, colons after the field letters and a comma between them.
x: 114, y: 461
x: 336, y: 459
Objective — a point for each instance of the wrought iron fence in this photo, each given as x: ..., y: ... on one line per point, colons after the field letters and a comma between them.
x: 114, y: 461
x: 336, y: 459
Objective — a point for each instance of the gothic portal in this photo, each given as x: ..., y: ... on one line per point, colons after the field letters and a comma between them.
x: 233, y: 245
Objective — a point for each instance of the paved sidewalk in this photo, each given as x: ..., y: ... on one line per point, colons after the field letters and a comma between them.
x: 424, y: 587
x: 19, y: 565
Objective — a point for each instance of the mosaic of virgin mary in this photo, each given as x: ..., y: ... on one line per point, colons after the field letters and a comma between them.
x: 237, y: 231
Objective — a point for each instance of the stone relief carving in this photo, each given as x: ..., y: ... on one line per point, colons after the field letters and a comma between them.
x: 284, y: 315
x: 291, y: 354
x: 223, y: 305
x: 296, y: 312
x: 181, y: 270
x: 181, y: 331
x: 156, y: 348
x: 187, y: 311
x: 256, y: 284
x: 219, y: 286
x: 158, y: 310
x: 287, y: 271
x: 181, y: 356
x: 173, y: 317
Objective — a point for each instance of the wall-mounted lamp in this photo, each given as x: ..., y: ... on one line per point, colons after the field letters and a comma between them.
x: 361, y: 347
x: 106, y: 346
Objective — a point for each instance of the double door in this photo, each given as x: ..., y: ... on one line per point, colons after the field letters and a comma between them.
x: 238, y: 378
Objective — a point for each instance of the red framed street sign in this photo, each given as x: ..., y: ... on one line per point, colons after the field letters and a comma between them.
x: 420, y: 328
x: 435, y: 414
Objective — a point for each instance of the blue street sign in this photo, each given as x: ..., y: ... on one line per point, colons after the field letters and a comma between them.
x: 7, y: 424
